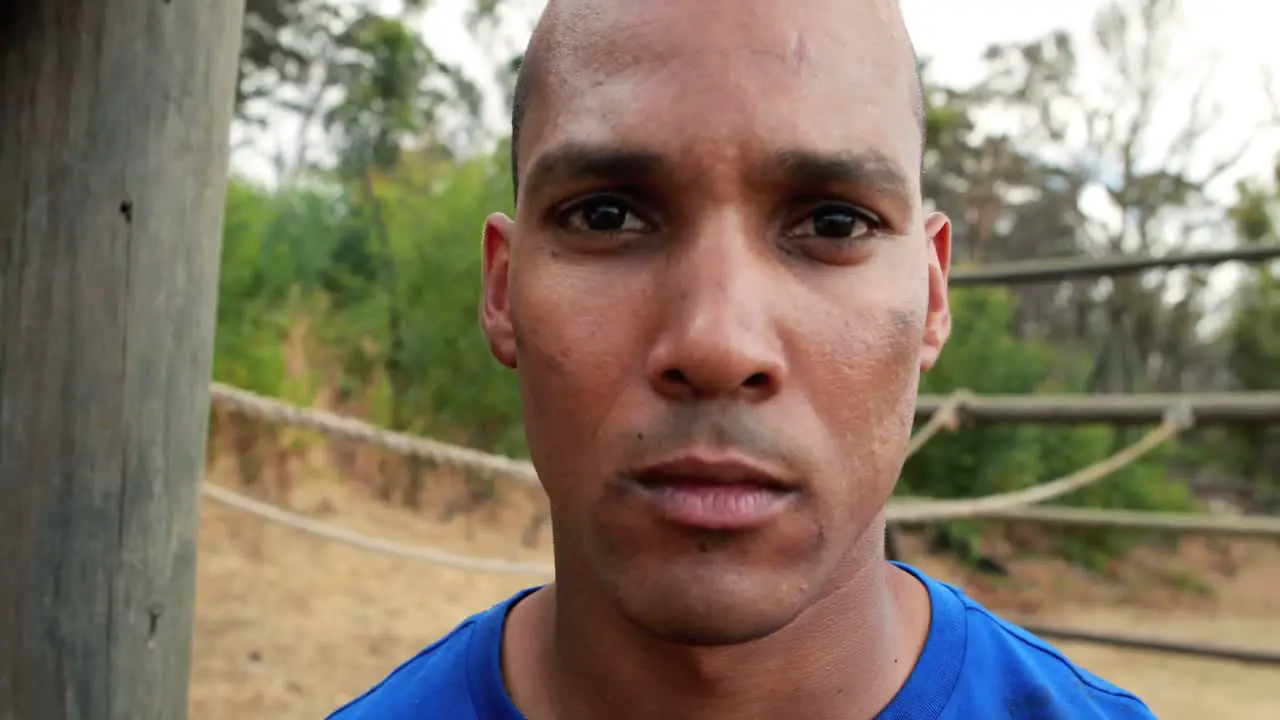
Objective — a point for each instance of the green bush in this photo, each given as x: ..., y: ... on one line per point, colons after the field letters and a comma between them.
x: 983, y: 357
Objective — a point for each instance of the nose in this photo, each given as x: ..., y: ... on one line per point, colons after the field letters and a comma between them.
x: 719, y: 331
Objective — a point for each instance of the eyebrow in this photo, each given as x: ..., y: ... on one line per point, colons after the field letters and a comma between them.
x: 579, y: 161
x: 797, y: 167
x: 870, y: 167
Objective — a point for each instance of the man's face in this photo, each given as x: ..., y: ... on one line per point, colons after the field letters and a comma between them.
x: 719, y: 291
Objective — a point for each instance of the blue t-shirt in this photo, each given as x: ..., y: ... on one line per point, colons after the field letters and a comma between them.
x: 974, y: 666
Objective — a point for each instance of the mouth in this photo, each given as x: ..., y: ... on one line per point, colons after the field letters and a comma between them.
x: 715, y: 491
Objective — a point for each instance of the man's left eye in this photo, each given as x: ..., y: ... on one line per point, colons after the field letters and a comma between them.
x: 836, y: 222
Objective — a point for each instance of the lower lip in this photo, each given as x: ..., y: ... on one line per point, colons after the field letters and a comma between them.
x: 716, y: 506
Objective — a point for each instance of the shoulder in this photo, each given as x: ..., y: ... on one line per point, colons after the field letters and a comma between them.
x: 1028, y: 677
x: 441, y: 677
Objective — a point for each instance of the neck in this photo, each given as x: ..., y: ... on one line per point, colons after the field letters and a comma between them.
x: 844, y: 657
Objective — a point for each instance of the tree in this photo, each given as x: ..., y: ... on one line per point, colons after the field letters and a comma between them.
x: 1103, y: 132
x: 1253, y: 333
x: 298, y: 57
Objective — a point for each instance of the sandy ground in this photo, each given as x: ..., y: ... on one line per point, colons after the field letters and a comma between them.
x: 289, y: 626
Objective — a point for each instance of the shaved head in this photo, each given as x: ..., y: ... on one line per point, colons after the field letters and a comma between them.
x: 541, y: 53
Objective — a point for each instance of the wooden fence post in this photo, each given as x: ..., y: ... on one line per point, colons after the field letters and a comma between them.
x: 114, y: 133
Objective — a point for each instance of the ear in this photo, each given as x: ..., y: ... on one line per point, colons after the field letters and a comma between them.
x: 937, y: 327
x: 495, y: 302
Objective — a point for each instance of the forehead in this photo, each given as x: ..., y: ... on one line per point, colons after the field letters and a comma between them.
x: 725, y: 81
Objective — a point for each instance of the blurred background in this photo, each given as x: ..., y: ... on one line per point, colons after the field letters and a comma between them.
x: 371, y: 140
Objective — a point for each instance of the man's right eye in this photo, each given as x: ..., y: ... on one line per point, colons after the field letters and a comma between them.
x: 603, y: 215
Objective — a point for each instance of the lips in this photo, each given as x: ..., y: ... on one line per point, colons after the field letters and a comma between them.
x: 715, y: 492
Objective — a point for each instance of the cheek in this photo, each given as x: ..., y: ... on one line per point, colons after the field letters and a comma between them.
x: 863, y: 386
x: 574, y: 360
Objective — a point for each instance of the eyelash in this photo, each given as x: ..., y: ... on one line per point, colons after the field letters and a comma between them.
x: 873, y: 221
x: 563, y: 217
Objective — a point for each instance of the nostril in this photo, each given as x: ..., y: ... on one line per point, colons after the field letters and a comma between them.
x: 689, y: 383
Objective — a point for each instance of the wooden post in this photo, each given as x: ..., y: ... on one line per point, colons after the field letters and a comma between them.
x: 114, y: 132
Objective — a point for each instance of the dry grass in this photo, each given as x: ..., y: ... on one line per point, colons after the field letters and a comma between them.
x: 288, y: 626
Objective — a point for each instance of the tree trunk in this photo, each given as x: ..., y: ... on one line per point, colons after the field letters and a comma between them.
x: 114, y: 128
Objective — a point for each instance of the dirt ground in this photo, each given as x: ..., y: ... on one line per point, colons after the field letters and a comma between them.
x: 289, y: 626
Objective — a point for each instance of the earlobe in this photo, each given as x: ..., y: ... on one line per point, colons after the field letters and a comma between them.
x: 938, y: 318
x: 495, y: 303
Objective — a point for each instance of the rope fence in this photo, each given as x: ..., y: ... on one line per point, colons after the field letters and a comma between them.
x: 910, y: 509
x: 900, y: 510
x: 946, y: 417
x: 1010, y: 506
x: 324, y: 531
x: 275, y: 412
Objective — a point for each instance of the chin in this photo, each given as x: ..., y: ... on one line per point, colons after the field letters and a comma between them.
x: 710, y: 606
x: 702, y: 587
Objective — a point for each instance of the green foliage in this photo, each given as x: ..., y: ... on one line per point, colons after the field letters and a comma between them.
x: 1253, y: 332
x: 435, y: 220
x: 248, y: 343
x: 983, y: 357
x: 312, y: 257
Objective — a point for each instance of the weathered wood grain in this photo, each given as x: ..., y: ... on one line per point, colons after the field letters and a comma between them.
x: 114, y: 118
